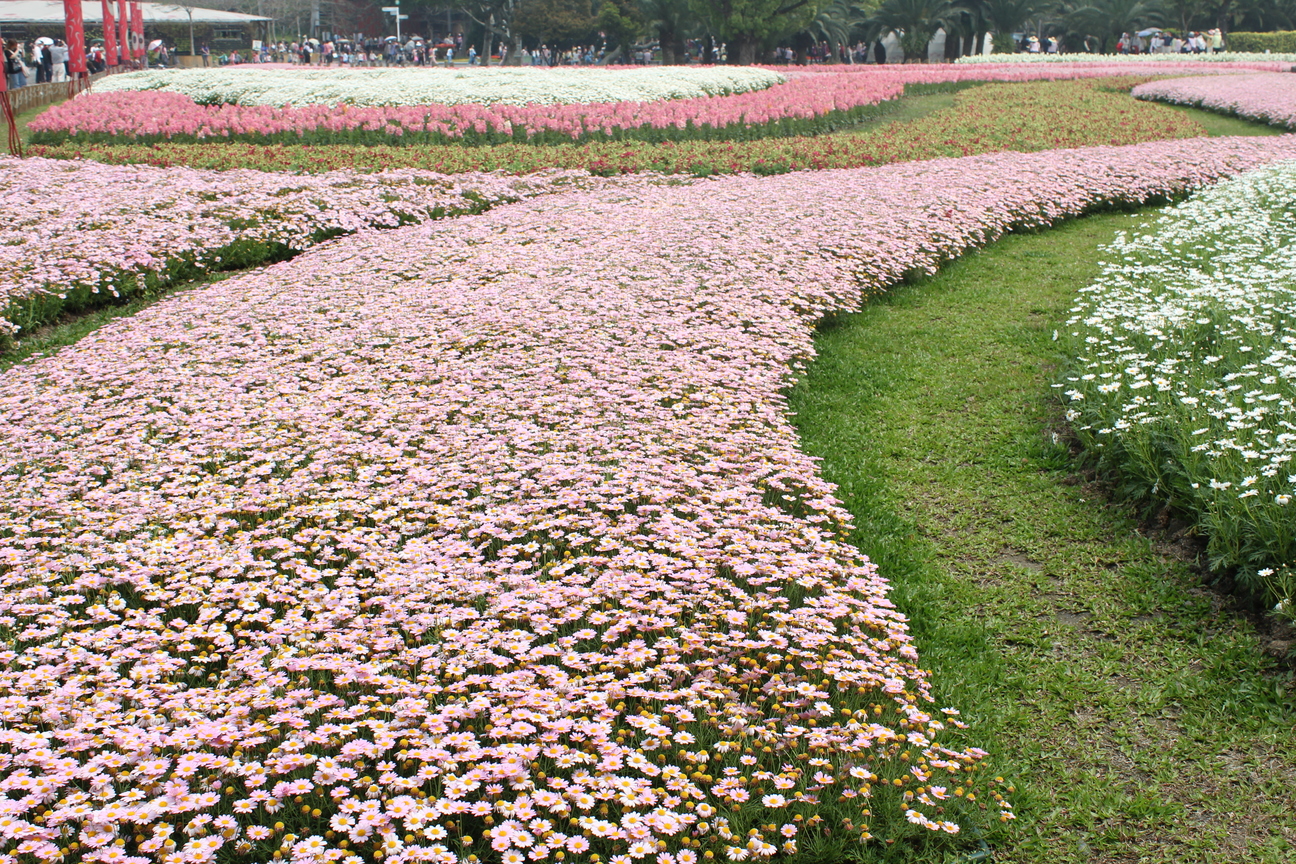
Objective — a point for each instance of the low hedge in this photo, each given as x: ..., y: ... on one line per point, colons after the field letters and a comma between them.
x: 1277, y: 42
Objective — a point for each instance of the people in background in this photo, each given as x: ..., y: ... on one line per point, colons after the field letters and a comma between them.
x: 15, y: 71
x: 43, y: 60
x: 97, y: 59
x: 58, y: 61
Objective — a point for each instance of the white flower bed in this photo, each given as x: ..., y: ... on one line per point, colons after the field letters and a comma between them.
x: 1134, y: 59
x: 513, y: 86
x: 1185, y: 378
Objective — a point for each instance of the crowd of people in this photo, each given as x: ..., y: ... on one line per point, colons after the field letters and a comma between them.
x: 40, y: 61
x: 1165, y: 42
x: 581, y: 55
x: 822, y: 52
x: 412, y: 51
x: 45, y: 60
x: 1147, y: 42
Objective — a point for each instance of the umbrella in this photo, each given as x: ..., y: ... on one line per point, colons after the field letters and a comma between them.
x: 1151, y: 31
x: 44, y: 40
x: 390, y: 39
x: 155, y: 44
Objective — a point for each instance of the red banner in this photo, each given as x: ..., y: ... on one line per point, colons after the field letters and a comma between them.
x: 110, y: 34
x: 137, y: 25
x: 74, y: 36
x: 123, y: 32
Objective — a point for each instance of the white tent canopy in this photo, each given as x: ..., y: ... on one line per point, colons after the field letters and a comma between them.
x: 51, y: 12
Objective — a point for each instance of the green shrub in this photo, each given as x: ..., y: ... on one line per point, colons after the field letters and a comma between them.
x: 1277, y: 42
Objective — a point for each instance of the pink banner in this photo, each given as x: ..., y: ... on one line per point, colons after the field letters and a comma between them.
x: 123, y: 30
x: 74, y: 36
x: 110, y: 34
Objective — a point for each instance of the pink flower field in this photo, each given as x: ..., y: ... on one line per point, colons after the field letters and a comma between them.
x: 84, y: 225
x: 1267, y: 97
x: 489, y: 538
x: 827, y: 92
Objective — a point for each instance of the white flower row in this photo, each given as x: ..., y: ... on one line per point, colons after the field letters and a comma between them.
x: 495, y: 85
x: 1139, y: 59
x: 1185, y: 375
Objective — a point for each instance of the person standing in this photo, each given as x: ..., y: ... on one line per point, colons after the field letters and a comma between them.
x: 58, y: 61
x: 43, y: 60
x: 206, y: 54
x: 15, y: 73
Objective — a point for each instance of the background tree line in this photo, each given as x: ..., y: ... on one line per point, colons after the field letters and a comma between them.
x: 751, y: 29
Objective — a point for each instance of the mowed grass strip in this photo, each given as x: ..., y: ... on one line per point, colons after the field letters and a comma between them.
x: 1136, y: 715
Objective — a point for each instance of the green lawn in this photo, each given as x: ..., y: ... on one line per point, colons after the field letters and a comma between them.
x: 1218, y: 125
x: 1137, y: 716
x: 22, y: 118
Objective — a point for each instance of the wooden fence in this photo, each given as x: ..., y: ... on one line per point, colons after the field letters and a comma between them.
x: 36, y: 95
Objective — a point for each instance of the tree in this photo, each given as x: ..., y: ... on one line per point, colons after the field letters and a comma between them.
x: 1002, y: 18
x: 832, y: 24
x: 915, y: 22
x: 189, y: 10
x: 554, y: 22
x: 1108, y: 19
x: 1182, y: 11
x: 622, y: 21
x: 747, y: 24
x: 495, y: 17
x: 671, y: 21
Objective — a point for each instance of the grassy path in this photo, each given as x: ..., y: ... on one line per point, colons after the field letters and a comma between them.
x: 1138, y: 719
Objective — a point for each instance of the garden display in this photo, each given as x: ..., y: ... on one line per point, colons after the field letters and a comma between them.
x: 501, y: 85
x: 113, y: 230
x: 489, y: 537
x: 1184, y: 367
x: 466, y: 518
x: 1267, y: 97
x: 384, y: 107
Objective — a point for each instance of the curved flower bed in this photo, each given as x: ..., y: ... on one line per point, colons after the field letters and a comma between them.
x: 489, y: 538
x: 78, y: 232
x: 1235, y: 59
x: 809, y: 103
x: 813, y: 102
x: 1019, y: 116
x: 300, y: 86
x: 1185, y: 370
x: 1269, y: 98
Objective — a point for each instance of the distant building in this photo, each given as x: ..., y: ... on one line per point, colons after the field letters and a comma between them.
x: 222, y: 31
